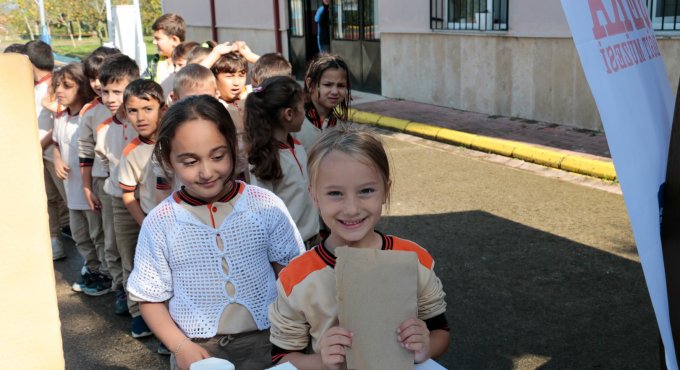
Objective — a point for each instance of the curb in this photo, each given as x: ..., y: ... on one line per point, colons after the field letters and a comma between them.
x: 513, y: 149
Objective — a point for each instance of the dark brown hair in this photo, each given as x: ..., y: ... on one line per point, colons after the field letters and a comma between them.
x: 172, y: 24
x: 74, y: 71
x: 191, y: 108
x: 262, y: 115
x: 314, y: 72
x: 231, y: 62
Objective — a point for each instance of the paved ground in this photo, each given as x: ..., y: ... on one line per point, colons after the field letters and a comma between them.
x: 539, y: 266
x: 589, y: 144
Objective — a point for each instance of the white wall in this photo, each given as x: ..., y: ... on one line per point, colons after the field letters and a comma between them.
x: 527, y: 18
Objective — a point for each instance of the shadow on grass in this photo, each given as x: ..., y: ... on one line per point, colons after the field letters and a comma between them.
x: 519, y: 297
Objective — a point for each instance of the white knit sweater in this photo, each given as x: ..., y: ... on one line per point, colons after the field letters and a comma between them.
x: 178, y: 259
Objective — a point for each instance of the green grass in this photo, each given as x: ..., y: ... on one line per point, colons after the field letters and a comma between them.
x: 85, y: 46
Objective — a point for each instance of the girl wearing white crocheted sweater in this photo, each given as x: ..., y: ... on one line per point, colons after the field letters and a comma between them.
x: 213, y: 249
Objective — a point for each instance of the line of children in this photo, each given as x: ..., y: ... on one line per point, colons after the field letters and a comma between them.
x: 202, y: 269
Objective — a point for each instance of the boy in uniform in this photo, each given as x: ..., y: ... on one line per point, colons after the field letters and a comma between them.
x: 93, y: 170
x: 114, y: 75
x: 169, y: 31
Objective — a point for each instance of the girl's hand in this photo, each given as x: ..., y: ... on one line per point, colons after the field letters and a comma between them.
x: 224, y: 48
x: 333, y: 343
x: 189, y: 353
x: 413, y: 335
x: 61, y: 168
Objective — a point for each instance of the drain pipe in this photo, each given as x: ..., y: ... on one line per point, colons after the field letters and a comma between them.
x: 213, y: 21
x: 277, y: 27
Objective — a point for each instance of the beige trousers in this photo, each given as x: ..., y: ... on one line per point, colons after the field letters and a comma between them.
x: 109, y: 235
x: 127, y: 231
x: 86, y: 228
x: 56, y: 199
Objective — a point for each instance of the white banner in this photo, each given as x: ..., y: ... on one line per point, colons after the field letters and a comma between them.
x: 623, y: 66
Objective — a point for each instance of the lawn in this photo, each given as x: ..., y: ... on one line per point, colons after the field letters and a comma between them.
x: 85, y: 46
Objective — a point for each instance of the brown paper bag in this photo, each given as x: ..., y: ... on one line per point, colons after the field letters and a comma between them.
x: 377, y: 291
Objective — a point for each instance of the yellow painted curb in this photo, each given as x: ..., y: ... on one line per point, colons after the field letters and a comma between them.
x: 546, y: 157
x: 456, y: 137
x: 350, y: 113
x: 422, y: 130
x: 365, y: 117
x: 589, y: 167
x: 493, y: 145
x: 393, y: 123
x: 539, y: 156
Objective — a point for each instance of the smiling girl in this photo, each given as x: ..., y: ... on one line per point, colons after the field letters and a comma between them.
x: 350, y: 183
x: 213, y: 249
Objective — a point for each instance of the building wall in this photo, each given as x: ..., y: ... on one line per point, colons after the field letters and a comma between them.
x: 253, y: 24
x: 528, y: 77
x: 531, y: 71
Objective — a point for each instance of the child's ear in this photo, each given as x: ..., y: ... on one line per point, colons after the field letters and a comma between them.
x: 288, y: 114
x: 308, y: 83
x: 163, y: 109
x: 175, y: 40
x: 172, y: 96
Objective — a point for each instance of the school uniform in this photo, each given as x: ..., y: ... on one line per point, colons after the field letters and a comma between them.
x: 86, y: 225
x: 92, y: 116
x: 235, y: 109
x: 137, y: 172
x: 298, y: 321
x: 118, y: 134
x: 312, y: 127
x: 211, y: 261
x: 54, y: 186
x: 293, y: 188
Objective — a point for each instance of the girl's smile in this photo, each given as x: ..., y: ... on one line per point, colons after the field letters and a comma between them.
x: 202, y: 160
x: 349, y: 195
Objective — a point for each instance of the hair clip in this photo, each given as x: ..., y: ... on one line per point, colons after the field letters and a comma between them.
x: 258, y: 89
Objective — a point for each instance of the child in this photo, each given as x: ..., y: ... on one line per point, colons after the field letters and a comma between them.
x: 179, y: 60
x: 115, y: 74
x: 328, y: 91
x: 144, y: 106
x: 230, y: 71
x: 270, y: 65
x: 194, y: 79
x: 278, y: 162
x: 179, y: 55
x: 168, y: 32
x: 92, y: 169
x: 40, y: 55
x: 73, y: 91
x: 212, y: 249
x: 351, y: 207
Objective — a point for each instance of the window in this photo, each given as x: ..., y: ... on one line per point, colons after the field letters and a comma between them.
x: 473, y: 15
x: 297, y: 13
x: 355, y: 20
x: 665, y: 14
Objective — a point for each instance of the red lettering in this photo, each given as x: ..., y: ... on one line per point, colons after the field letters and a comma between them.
x: 612, y: 59
x: 637, y: 13
x: 604, y: 58
x: 609, y: 28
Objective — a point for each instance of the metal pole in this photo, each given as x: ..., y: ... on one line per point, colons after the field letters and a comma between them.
x: 44, y: 32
